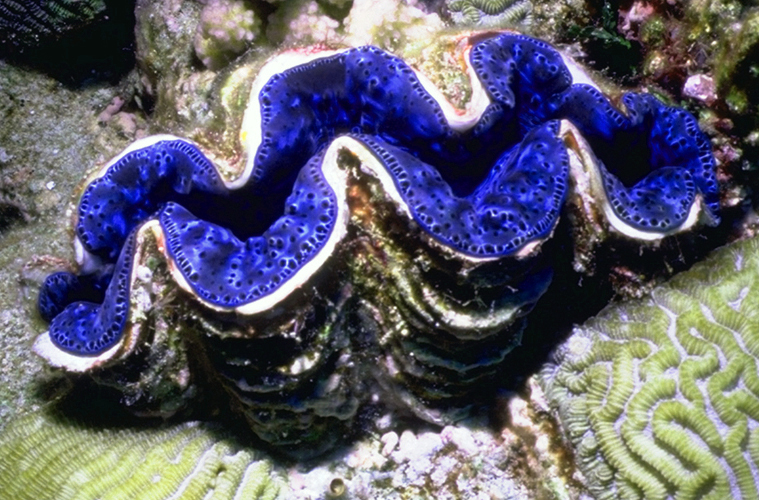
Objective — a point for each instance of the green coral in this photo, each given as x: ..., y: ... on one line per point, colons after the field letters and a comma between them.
x: 490, y: 12
x: 47, y: 457
x: 660, y: 397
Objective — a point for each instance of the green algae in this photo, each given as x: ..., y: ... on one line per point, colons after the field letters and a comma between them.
x: 737, y: 72
x: 660, y: 397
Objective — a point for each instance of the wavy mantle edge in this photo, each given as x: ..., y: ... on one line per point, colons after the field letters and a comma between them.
x: 586, y: 187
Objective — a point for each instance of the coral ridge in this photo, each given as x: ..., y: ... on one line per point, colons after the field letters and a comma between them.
x: 660, y: 397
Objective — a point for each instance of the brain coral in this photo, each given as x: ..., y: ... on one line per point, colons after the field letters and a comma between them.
x: 490, y: 12
x: 660, y: 397
x: 46, y: 457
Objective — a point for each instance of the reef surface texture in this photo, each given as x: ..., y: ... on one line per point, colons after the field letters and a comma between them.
x: 372, y: 165
x: 660, y: 397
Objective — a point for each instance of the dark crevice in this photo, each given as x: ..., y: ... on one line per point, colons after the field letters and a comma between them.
x: 101, y: 50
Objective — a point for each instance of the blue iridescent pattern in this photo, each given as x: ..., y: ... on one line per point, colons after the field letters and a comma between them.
x: 484, y: 192
x: 85, y: 327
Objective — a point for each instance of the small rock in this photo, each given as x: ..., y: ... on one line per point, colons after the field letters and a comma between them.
x: 110, y: 110
x: 4, y: 156
x: 384, y: 422
x: 427, y: 444
x: 407, y: 443
x: 701, y: 87
x: 389, y: 441
x: 460, y: 438
x: 444, y: 469
x: 125, y: 123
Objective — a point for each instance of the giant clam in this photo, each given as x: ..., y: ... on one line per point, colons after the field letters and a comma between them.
x: 372, y: 233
